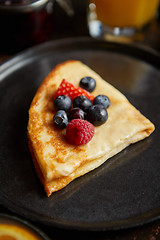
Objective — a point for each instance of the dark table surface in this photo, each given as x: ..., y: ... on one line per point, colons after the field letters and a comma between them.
x: 74, y: 27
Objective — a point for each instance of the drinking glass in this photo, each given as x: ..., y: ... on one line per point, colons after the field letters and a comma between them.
x: 120, y: 17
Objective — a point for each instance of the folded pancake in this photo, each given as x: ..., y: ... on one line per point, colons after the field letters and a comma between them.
x: 58, y: 162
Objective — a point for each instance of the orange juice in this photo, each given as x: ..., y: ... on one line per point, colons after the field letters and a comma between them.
x: 125, y: 13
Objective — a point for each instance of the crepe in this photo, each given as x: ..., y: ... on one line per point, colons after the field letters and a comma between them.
x: 58, y: 162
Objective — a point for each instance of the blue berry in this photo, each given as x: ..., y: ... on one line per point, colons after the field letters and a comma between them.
x: 102, y: 100
x: 88, y: 83
x: 76, y: 113
x: 60, y: 119
x: 62, y: 102
x: 97, y: 115
x: 82, y: 102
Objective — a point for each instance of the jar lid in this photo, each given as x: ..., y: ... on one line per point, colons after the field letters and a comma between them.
x: 21, y: 5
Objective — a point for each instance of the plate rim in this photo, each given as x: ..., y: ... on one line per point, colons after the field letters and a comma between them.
x: 24, y: 222
x: 154, y: 56
x: 127, y: 223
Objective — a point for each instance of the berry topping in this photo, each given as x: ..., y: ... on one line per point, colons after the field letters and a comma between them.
x: 102, y: 100
x: 79, y: 132
x: 62, y: 102
x: 76, y: 113
x: 88, y: 83
x: 82, y: 102
x: 72, y: 91
x: 60, y: 119
x: 97, y: 115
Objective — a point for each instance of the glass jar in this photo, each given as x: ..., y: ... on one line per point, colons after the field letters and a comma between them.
x: 24, y: 23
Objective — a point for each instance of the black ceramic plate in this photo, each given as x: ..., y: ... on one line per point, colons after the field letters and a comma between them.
x: 124, y: 191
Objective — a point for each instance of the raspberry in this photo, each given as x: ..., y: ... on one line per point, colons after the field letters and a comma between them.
x: 68, y: 89
x: 79, y: 131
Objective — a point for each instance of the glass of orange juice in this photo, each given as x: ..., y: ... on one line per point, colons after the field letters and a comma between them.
x: 120, y: 17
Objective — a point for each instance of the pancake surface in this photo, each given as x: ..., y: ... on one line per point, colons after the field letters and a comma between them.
x: 58, y: 162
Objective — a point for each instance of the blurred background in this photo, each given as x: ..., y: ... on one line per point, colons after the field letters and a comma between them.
x: 25, y: 23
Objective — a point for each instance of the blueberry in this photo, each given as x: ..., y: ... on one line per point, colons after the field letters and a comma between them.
x: 76, y: 113
x: 102, y: 100
x: 62, y: 102
x: 88, y: 83
x: 97, y: 115
x: 82, y: 102
x: 60, y: 119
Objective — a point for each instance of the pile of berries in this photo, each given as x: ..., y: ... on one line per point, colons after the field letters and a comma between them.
x: 78, y: 110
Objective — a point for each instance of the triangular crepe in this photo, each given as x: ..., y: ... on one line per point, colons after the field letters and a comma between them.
x: 58, y: 162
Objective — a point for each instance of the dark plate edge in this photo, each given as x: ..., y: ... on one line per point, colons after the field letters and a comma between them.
x: 136, y: 221
x: 24, y: 222
x: 145, y: 53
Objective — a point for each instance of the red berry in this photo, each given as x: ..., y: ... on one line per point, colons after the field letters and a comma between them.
x: 66, y: 88
x: 79, y: 131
